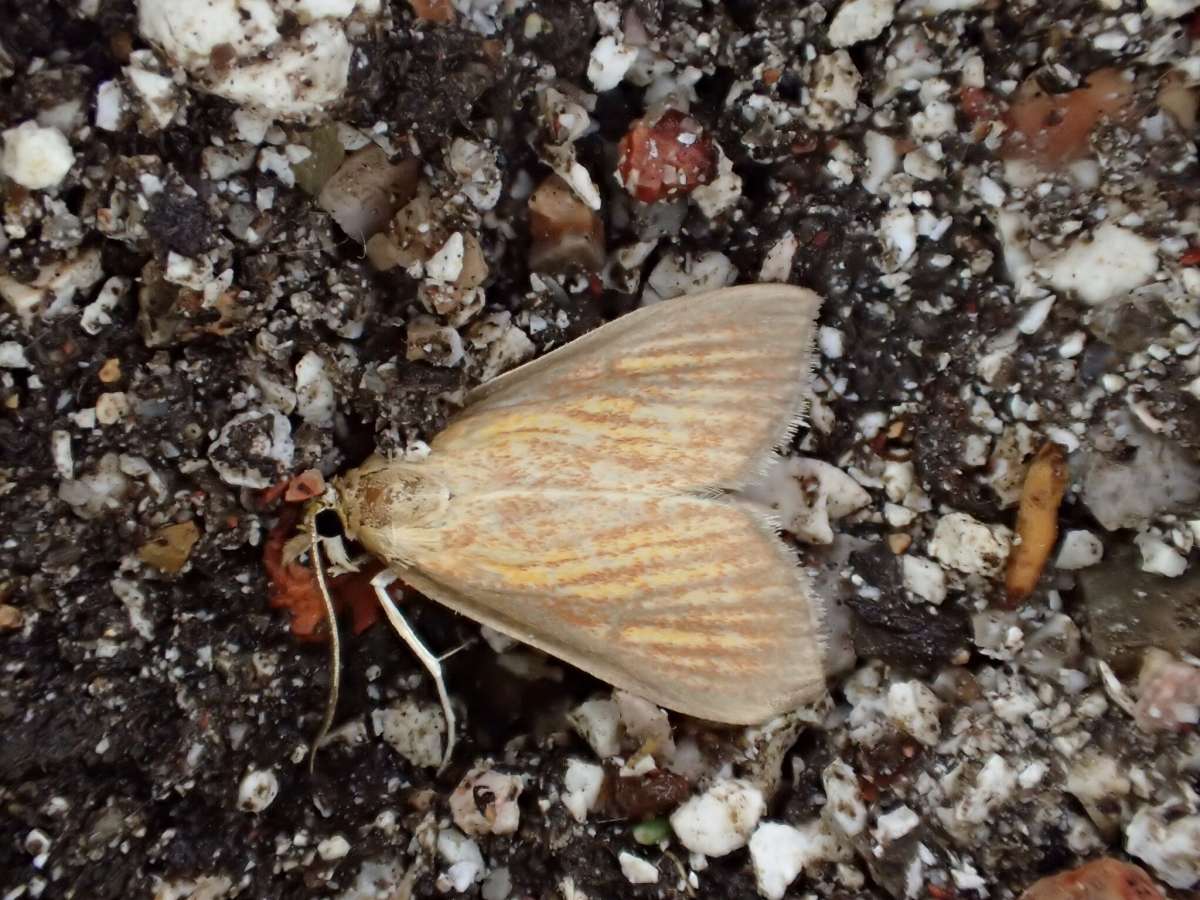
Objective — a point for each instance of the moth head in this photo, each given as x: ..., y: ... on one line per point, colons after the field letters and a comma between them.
x: 384, y: 497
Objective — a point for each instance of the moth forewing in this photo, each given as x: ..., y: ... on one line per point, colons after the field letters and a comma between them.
x: 684, y: 395
x: 584, y: 504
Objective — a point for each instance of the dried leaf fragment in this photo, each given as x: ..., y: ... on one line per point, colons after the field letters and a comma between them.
x: 1054, y: 129
x: 1037, y: 520
x: 169, y: 549
x: 1100, y: 879
x: 305, y: 486
x: 294, y: 585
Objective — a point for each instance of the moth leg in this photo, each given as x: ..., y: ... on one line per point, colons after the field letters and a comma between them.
x: 431, y: 663
x: 459, y: 649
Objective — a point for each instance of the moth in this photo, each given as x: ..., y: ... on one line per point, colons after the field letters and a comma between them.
x: 587, y: 504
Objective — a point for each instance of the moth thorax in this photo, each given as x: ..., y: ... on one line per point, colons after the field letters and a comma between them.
x: 392, y: 496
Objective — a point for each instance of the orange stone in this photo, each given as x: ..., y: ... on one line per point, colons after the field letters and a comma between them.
x: 1101, y: 879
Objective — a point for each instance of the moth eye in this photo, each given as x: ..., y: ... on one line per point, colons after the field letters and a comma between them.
x: 329, y: 524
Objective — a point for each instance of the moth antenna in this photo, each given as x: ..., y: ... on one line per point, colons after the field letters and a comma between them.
x: 335, y: 643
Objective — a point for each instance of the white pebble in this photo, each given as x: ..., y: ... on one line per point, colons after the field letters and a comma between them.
x: 609, y: 62
x: 155, y: 93
x: 990, y: 192
x: 258, y: 790
x: 332, y: 848
x: 919, y: 164
x: 923, y: 577
x: 777, y: 264
x: 96, y: 314
x: 37, y: 843
x: 12, y: 356
x: 832, y: 342
x: 808, y: 495
x: 1170, y: 9
x: 721, y: 819
x: 966, y: 545
x: 914, y: 708
x: 781, y: 852
x: 860, y: 20
x: 446, y: 265
x: 60, y: 452
x: 895, y: 824
x: 898, y: 516
x: 580, y: 180
x: 251, y: 126
x: 291, y: 76
x: 844, y: 800
x: 637, y: 870
x: 1072, y: 345
x: 645, y: 722
x: 581, y: 788
x: 463, y: 856
x: 934, y: 121
x: 993, y: 786
x: 599, y: 723
x: 112, y: 407
x: 1159, y: 557
x: 316, y: 399
x: 898, y: 233
x: 485, y: 802
x: 1079, y: 550
x: 976, y: 450
x: 677, y: 276
x: 1170, y: 846
x: 1035, y: 315
x: 1031, y: 776
x: 833, y: 85
x: 1109, y: 262
x: 497, y: 885
x: 36, y: 157
x: 414, y: 730
x: 882, y: 159
x: 109, y: 101
x: 263, y: 434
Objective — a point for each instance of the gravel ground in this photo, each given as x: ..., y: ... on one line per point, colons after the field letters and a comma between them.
x: 248, y: 240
